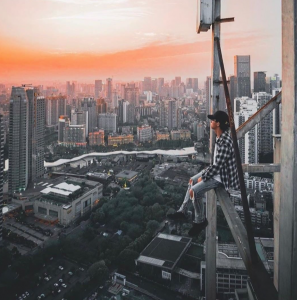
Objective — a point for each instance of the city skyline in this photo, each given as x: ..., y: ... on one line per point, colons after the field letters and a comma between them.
x: 93, y: 39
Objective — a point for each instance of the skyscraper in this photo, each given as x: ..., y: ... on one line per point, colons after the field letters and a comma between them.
x: 55, y: 107
x: 108, y: 122
x: 132, y: 94
x: 242, y: 72
x: 259, y: 82
x: 233, y: 91
x: 98, y: 88
x: 63, y: 123
x: 88, y: 105
x: 108, y: 89
x: 101, y: 106
x: 265, y: 127
x: 36, y: 126
x: 147, y: 84
x: 172, y: 114
x: 18, y: 141
x: 248, y: 145
x: 160, y: 85
x: 177, y: 80
x: 208, y: 95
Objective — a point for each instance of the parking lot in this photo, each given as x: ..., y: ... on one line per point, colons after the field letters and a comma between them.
x: 55, y: 279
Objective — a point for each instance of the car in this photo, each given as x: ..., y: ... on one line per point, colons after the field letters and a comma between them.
x: 24, y: 296
x: 61, y: 268
x: 46, y: 278
x: 82, y: 269
x: 20, y: 298
x: 59, y: 291
x: 70, y: 273
x: 51, y: 258
x: 64, y: 285
x: 56, y: 284
x: 61, y: 280
x: 27, y: 294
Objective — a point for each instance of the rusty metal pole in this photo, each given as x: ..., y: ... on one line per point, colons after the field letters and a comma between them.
x: 247, y: 215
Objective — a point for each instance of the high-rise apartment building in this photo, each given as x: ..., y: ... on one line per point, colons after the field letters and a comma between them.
x: 277, y: 115
x: 172, y: 115
x: 160, y: 84
x: 71, y: 89
x: 55, y: 107
x: 144, y: 133
x: 259, y: 82
x: 108, y: 122
x: 108, y: 89
x: 63, y: 122
x: 36, y: 128
x: 155, y: 85
x: 242, y: 72
x: 18, y: 141
x: 74, y: 135
x: 207, y: 87
x: 77, y: 117
x: 265, y: 127
x: 88, y: 105
x: 98, y: 88
x: 147, y: 84
x: 101, y: 106
x: 249, y: 144
x: 233, y: 90
x: 131, y: 94
x: 177, y: 80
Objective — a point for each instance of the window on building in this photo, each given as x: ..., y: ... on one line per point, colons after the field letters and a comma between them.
x: 42, y: 210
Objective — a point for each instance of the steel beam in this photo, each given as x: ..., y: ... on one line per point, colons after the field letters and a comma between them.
x: 245, y: 205
x: 261, y: 282
x: 259, y: 115
x: 261, y: 168
x: 211, y: 203
x: 288, y: 188
x: 276, y: 206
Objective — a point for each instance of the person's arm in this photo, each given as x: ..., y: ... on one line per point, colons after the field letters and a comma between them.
x: 223, y: 153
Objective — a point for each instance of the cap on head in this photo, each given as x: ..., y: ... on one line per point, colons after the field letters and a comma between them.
x: 221, y: 117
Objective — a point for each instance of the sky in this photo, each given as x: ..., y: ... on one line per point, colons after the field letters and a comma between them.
x: 84, y: 40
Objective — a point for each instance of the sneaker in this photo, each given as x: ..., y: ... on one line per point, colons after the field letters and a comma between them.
x: 197, y: 228
x: 177, y: 216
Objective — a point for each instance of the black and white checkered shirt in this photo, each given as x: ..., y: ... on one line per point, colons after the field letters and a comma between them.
x: 225, y: 163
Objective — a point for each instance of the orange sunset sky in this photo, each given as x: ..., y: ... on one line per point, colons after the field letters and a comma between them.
x: 84, y: 40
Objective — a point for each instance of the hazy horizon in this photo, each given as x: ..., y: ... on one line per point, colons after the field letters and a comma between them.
x: 84, y: 40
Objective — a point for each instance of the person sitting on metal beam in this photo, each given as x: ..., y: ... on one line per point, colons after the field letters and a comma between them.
x: 223, y: 172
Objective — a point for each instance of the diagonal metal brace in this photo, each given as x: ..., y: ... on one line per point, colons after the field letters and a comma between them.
x: 260, y: 279
x: 259, y: 115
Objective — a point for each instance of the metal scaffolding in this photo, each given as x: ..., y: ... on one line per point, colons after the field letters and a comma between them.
x: 285, y: 198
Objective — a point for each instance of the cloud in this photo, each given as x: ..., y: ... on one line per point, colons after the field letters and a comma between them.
x: 115, y: 14
x: 156, y: 58
x: 87, y: 2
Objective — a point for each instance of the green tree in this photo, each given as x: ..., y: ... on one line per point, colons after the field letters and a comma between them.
x: 98, y: 271
x: 152, y: 225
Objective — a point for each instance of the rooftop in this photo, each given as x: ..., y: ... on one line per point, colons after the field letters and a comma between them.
x: 164, y: 250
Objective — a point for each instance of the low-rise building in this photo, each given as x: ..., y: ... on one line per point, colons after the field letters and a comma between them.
x: 127, y: 175
x: 160, y: 135
x: 181, y: 134
x: 96, y: 138
x: 116, y: 139
x: 61, y: 200
x: 144, y: 133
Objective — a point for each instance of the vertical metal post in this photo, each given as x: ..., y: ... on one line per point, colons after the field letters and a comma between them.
x: 211, y: 203
x: 276, y: 205
x: 287, y: 286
